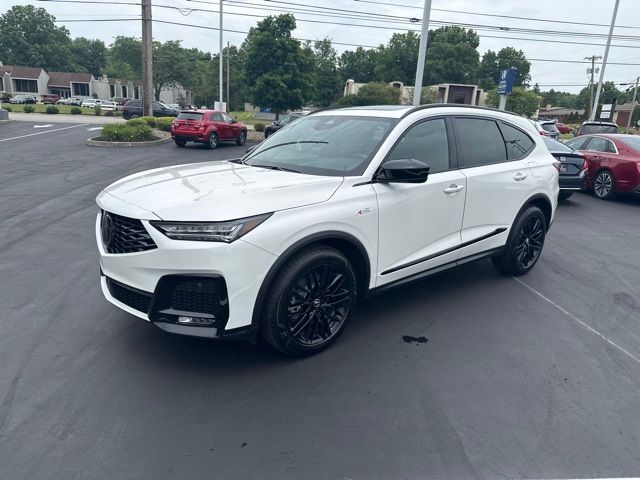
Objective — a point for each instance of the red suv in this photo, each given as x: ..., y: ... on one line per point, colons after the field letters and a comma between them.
x: 207, y: 126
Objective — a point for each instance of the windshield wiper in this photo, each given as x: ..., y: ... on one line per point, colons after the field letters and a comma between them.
x: 273, y: 167
x: 291, y: 143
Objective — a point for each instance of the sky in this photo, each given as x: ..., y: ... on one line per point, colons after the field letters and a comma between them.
x: 393, y: 16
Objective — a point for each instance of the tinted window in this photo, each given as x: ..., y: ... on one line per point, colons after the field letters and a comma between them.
x: 190, y: 116
x: 134, y: 103
x: 577, y: 143
x: 555, y: 146
x: 334, y: 145
x: 479, y: 142
x: 594, y: 128
x: 549, y: 127
x: 217, y: 117
x: 633, y: 142
x: 599, y: 144
x: 227, y: 118
x: 518, y: 142
x: 426, y: 141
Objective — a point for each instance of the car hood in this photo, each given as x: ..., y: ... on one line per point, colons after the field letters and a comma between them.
x: 215, y: 191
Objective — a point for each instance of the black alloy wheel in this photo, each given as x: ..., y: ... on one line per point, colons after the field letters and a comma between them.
x: 180, y: 142
x: 310, y: 302
x: 242, y: 138
x: 604, y: 185
x: 524, y: 245
x: 212, y: 141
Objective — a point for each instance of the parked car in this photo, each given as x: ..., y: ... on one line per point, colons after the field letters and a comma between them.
x: 338, y: 206
x: 562, y: 128
x: 26, y: 99
x: 109, y: 106
x: 91, y: 102
x: 613, y: 163
x: 207, y: 126
x: 133, y: 109
x: 121, y: 101
x: 547, y: 128
x: 573, y: 167
x: 597, y: 127
x: 284, y: 120
x: 63, y: 101
x: 50, y: 98
x: 175, y: 106
x: 72, y: 101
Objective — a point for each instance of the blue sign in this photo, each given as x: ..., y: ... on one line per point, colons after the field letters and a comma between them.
x: 507, y: 77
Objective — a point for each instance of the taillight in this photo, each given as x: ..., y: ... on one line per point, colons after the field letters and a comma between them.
x: 543, y: 133
x: 585, y: 164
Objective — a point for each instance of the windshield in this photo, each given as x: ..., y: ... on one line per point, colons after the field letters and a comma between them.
x: 189, y: 116
x: 555, y: 146
x: 333, y: 145
x: 593, y: 128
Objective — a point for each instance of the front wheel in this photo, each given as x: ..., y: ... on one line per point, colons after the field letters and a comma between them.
x: 242, y: 138
x: 524, y: 244
x: 212, y: 141
x: 180, y: 142
x: 308, y: 306
x: 604, y: 185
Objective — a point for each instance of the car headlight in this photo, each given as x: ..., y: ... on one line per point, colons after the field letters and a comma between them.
x: 210, y: 231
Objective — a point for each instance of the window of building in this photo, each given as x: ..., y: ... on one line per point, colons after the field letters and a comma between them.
x: 427, y: 141
x: 519, y: 144
x: 479, y: 142
x: 125, y: 91
x: 30, y: 86
x: 136, y: 92
x: 112, y: 91
x: 1, y: 84
x: 80, y: 89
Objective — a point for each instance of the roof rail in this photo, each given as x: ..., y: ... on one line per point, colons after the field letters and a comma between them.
x: 324, y: 109
x: 457, y: 105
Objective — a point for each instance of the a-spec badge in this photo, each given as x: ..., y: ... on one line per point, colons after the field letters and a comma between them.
x: 362, y: 211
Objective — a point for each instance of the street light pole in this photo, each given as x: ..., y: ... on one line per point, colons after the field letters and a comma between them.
x: 424, y: 33
x: 604, y: 61
x: 633, y: 104
x: 147, y: 60
x: 220, y: 66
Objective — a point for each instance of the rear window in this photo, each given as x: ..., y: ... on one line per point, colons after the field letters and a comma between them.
x: 190, y: 116
x: 519, y: 144
x: 134, y: 103
x: 633, y: 142
x: 549, y: 127
x: 591, y: 128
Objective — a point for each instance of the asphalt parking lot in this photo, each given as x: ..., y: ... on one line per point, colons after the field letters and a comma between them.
x: 531, y: 378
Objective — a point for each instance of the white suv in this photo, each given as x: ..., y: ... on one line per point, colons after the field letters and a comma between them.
x: 339, y: 205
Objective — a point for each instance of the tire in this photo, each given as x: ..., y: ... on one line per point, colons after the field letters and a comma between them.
x: 604, y: 185
x: 564, y: 195
x: 212, y: 141
x: 180, y: 142
x: 242, y: 138
x: 298, y: 318
x: 525, y: 243
x: 134, y: 115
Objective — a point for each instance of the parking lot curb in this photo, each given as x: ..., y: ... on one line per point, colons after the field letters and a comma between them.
x: 92, y: 142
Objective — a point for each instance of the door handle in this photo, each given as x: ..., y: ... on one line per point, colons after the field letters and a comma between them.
x: 518, y: 177
x: 453, y: 188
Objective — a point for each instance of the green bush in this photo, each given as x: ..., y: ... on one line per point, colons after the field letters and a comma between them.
x: 137, y: 121
x: 151, y: 121
x: 28, y: 109
x: 97, y: 111
x: 259, y: 126
x: 8, y: 109
x: 75, y: 111
x: 164, y: 123
x: 125, y: 132
x: 52, y: 110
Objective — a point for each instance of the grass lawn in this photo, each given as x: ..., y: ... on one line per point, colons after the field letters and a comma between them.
x: 244, y: 117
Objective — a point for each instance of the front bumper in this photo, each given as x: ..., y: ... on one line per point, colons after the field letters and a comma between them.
x: 239, y: 268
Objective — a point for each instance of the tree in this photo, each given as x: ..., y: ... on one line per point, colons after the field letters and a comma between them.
x: 357, y: 65
x: 608, y: 94
x: 397, y: 60
x: 89, y: 55
x: 327, y: 85
x: 374, y: 93
x: 277, y: 73
x: 125, y: 59
x: 492, y: 64
x: 171, y: 66
x: 452, y: 56
x: 29, y: 36
x: 521, y: 101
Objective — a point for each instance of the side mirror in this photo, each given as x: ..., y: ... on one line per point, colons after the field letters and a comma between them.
x: 403, y: 170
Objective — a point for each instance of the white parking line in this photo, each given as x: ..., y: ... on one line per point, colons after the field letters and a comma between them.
x: 573, y: 317
x: 93, y: 129
x: 41, y: 133
x: 43, y: 126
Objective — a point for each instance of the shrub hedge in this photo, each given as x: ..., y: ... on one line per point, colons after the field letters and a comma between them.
x: 136, y: 121
x: 52, y: 110
x: 164, y: 123
x: 259, y: 126
x: 75, y: 111
x: 28, y: 109
x: 125, y: 132
x: 97, y: 111
x: 8, y: 109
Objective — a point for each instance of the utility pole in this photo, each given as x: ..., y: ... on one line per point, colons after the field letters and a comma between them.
x: 228, y: 97
x: 591, y: 71
x: 604, y: 60
x: 633, y: 104
x: 147, y: 60
x: 424, y: 33
x: 220, y: 99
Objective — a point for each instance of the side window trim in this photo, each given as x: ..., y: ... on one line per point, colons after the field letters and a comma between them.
x: 450, y: 141
x: 500, y: 124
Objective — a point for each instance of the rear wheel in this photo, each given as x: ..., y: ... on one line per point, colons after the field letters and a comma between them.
x: 180, y: 142
x: 242, y: 138
x: 604, y: 185
x: 564, y: 195
x: 134, y: 115
x: 308, y: 306
x: 212, y: 141
x: 524, y: 244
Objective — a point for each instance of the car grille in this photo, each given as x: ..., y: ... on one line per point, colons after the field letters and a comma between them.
x: 124, y: 235
x: 131, y: 297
